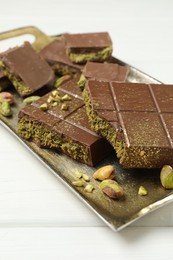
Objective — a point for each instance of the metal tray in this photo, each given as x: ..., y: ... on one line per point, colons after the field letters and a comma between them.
x: 115, y: 213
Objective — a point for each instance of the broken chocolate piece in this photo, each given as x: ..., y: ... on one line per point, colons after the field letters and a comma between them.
x: 136, y: 118
x: 88, y: 46
x: 103, y: 71
x: 26, y: 69
x: 66, y: 130
x: 55, y: 54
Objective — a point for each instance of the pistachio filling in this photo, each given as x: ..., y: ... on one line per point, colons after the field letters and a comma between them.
x: 21, y: 88
x: 100, y: 55
x: 103, y: 128
x: 81, y: 82
x: 29, y: 129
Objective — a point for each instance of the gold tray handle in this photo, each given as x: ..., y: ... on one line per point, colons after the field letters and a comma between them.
x: 41, y: 39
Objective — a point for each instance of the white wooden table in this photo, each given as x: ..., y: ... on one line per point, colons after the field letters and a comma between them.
x: 39, y: 217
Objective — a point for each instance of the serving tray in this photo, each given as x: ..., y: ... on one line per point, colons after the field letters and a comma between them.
x: 115, y: 213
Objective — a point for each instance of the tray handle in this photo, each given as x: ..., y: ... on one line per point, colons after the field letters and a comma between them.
x: 41, y: 39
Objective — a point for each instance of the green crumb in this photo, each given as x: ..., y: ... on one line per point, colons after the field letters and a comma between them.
x: 44, y: 107
x: 82, y: 82
x: 78, y: 174
x: 142, y: 191
x: 100, y: 55
x: 19, y: 85
x: 78, y: 183
x: 66, y: 97
x: 32, y: 130
x: 85, y: 177
x: 89, y: 188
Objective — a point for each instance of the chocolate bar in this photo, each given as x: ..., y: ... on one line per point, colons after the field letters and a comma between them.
x: 103, y: 71
x: 58, y: 120
x: 26, y: 69
x: 88, y: 46
x: 136, y: 118
x: 55, y: 54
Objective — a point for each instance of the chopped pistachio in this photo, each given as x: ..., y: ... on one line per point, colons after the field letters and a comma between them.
x: 85, y: 177
x: 89, y: 188
x: 59, y: 81
x: 142, y: 191
x: 55, y: 104
x: 54, y: 93
x: 78, y: 183
x: 78, y: 174
x: 66, y: 97
x: 44, y: 107
x: 64, y: 106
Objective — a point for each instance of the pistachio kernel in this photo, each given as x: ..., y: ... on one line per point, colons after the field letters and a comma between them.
x: 142, y: 191
x: 44, y: 107
x: 89, y: 188
x: 31, y: 99
x: 66, y: 97
x: 78, y: 174
x: 78, y: 183
x: 61, y: 80
x: 5, y: 108
x: 112, y: 189
x: 6, y: 96
x: 85, y: 177
x: 105, y: 172
x: 166, y: 177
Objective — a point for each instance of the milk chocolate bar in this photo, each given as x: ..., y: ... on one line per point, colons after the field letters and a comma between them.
x: 103, y: 71
x: 25, y: 69
x: 136, y: 118
x: 88, y: 46
x: 58, y: 120
x: 55, y: 54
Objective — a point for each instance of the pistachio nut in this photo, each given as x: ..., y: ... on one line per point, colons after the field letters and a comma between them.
x: 5, y: 108
x: 44, y: 107
x: 78, y: 174
x: 85, y: 177
x: 61, y: 80
x: 166, y: 177
x: 142, y: 191
x: 78, y: 183
x: 89, y: 188
x: 30, y: 99
x: 105, y: 172
x: 112, y: 189
x: 6, y: 96
x: 66, y: 97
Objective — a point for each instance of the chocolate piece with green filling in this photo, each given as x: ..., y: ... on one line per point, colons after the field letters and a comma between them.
x: 55, y: 54
x: 58, y: 120
x: 103, y: 71
x: 26, y: 69
x: 136, y: 118
x: 88, y: 46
